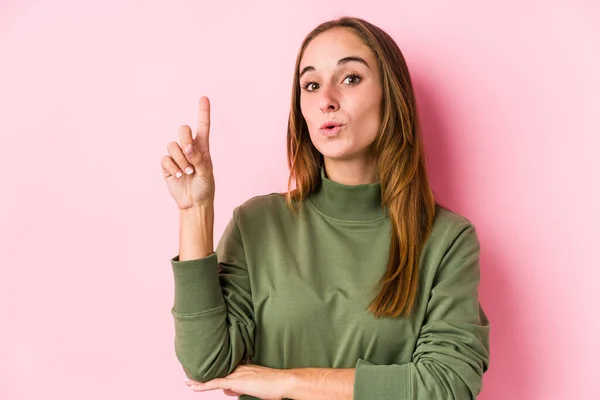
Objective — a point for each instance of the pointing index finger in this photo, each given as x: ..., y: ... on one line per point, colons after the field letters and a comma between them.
x: 203, y: 128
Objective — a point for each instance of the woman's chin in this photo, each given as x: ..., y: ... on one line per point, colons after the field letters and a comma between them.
x: 338, y: 156
x: 338, y: 150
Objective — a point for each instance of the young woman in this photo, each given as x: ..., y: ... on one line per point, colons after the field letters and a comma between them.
x: 357, y: 284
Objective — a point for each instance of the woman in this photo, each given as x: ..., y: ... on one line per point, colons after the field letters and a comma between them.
x: 356, y: 284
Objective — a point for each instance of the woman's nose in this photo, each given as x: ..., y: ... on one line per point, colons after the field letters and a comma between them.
x: 328, y: 101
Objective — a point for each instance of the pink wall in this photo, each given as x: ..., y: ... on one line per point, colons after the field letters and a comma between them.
x: 91, y: 94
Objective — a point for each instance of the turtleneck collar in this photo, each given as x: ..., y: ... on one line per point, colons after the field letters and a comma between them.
x: 348, y: 202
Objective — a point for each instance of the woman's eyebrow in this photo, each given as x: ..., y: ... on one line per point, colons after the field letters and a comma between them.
x: 340, y: 62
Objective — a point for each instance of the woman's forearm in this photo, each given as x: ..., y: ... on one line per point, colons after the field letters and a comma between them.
x: 322, y: 383
x: 196, y: 226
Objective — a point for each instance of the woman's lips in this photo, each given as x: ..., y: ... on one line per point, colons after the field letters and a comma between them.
x: 329, y: 132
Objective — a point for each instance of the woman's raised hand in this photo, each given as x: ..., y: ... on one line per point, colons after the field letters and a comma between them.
x: 188, y: 169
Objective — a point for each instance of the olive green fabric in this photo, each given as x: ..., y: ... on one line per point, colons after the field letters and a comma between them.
x: 288, y: 291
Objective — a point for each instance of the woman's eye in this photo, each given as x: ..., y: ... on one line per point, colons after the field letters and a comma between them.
x: 351, y: 79
x: 354, y: 79
x: 310, y: 86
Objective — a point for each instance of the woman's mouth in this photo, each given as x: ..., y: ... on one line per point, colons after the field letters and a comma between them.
x: 330, y: 129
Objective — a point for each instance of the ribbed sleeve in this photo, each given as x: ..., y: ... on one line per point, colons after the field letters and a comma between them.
x: 212, y: 309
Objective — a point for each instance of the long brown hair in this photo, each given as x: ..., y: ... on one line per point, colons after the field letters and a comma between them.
x: 398, y: 149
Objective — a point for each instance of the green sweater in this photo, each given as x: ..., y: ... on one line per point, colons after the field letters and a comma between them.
x: 286, y: 291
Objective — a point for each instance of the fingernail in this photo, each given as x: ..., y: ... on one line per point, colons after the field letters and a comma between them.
x: 189, y: 170
x: 188, y: 149
x: 178, y: 174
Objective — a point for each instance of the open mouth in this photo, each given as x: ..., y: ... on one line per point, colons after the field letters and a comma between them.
x: 331, y: 125
x: 331, y: 129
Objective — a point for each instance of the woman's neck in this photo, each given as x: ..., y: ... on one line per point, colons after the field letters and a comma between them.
x: 351, y: 172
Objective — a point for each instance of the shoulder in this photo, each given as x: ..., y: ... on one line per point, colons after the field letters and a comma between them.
x: 255, y: 215
x: 447, y: 219
x: 448, y: 227
x: 261, y: 208
x: 262, y: 202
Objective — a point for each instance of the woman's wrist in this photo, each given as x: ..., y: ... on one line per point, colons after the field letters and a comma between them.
x: 196, y: 232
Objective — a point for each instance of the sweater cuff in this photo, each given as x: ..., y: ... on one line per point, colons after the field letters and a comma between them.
x: 381, y: 381
x: 197, y: 286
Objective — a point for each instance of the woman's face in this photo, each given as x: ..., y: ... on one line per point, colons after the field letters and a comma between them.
x: 340, y: 83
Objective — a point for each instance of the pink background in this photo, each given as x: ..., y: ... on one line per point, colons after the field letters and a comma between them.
x: 92, y: 93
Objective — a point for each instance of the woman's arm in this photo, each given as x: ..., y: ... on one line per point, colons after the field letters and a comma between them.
x: 321, y: 383
x: 269, y: 383
x: 212, y: 310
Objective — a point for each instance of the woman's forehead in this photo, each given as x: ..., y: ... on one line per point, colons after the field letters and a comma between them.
x: 329, y: 47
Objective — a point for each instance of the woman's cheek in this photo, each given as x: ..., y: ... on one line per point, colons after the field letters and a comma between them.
x: 305, y: 108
